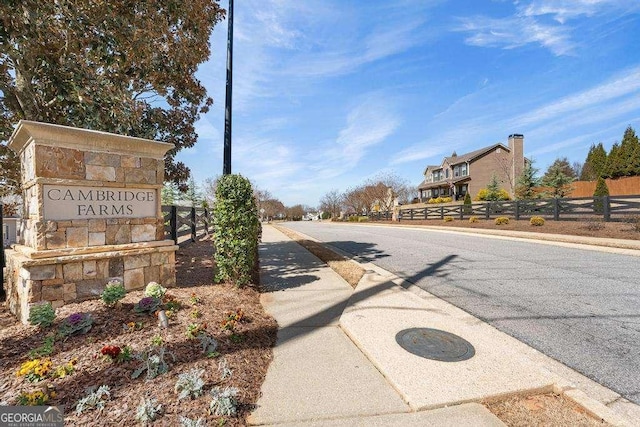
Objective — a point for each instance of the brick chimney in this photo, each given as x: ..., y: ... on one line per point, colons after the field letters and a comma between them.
x: 516, y: 148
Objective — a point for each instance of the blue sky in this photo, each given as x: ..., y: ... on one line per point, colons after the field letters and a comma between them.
x: 329, y: 93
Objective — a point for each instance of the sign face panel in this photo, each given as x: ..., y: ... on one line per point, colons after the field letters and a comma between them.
x: 66, y: 202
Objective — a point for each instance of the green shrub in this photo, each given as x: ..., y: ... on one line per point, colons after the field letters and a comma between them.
x: 536, y: 220
x: 473, y: 219
x: 42, y: 314
x: 501, y: 220
x: 600, y: 191
x: 236, y: 230
x: 467, y: 204
x: 363, y: 219
x: 448, y: 219
x: 113, y: 292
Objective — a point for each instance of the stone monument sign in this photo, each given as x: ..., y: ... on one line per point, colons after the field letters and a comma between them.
x: 91, y: 212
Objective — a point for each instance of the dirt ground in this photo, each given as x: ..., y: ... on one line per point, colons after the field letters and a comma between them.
x: 246, y: 350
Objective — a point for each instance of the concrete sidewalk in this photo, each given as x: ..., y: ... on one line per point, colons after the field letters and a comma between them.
x: 337, y: 362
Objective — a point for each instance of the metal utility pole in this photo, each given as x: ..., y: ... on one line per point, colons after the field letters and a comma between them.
x: 226, y: 169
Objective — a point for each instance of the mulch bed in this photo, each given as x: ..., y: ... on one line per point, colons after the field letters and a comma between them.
x: 592, y: 228
x: 247, y: 350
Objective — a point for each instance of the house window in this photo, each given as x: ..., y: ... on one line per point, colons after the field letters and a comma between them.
x: 463, y: 170
x: 456, y: 171
x: 446, y: 173
x: 5, y: 232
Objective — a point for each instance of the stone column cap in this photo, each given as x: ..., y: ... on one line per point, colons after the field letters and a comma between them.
x: 84, y: 139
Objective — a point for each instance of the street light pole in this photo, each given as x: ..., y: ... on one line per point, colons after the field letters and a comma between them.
x: 226, y: 169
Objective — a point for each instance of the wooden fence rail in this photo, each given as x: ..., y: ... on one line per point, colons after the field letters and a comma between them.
x: 183, y: 221
x: 608, y: 208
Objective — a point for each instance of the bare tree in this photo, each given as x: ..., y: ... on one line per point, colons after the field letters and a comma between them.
x: 577, y: 168
x: 355, y: 201
x: 295, y: 212
x: 209, y: 189
x: 386, y: 188
x: 273, y: 208
x: 331, y: 202
x: 504, y: 166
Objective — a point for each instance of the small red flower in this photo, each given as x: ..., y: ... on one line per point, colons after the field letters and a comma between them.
x: 111, y: 350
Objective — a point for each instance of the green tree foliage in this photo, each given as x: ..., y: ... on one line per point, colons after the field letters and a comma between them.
x: 467, y: 204
x: 560, y: 164
x: 170, y: 194
x: 613, y: 167
x: 193, y: 195
x: 236, y: 230
x: 600, y: 191
x: 527, y: 182
x: 557, y: 180
x: 629, y: 153
x: 594, y: 165
x: 117, y: 66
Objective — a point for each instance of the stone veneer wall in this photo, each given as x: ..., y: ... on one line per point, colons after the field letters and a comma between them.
x: 77, y: 278
x: 54, y: 165
x: 69, y: 260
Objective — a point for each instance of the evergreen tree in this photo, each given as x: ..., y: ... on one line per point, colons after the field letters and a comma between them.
x: 629, y: 150
x: 193, y: 195
x: 561, y: 164
x: 527, y: 181
x: 170, y: 193
x: 613, y: 167
x: 594, y: 165
x: 558, y: 181
x: 493, y: 188
x: 601, y: 191
x: 467, y: 204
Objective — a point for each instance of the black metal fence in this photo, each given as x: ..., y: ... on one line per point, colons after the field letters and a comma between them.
x: 608, y: 208
x: 181, y: 221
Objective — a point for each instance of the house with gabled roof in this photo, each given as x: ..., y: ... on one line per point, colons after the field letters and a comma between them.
x: 458, y: 175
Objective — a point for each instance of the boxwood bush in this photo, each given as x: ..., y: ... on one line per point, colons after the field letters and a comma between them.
x: 502, y: 220
x: 537, y: 221
x: 236, y: 230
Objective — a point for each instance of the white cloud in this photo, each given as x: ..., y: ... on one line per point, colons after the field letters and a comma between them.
x: 515, y: 31
x: 368, y: 124
x: 565, y: 10
x: 528, y: 24
x: 624, y: 84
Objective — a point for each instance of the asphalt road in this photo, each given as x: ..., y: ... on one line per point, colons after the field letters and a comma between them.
x: 580, y: 307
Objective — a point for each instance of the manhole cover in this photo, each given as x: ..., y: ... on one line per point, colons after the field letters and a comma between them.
x: 435, y: 344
